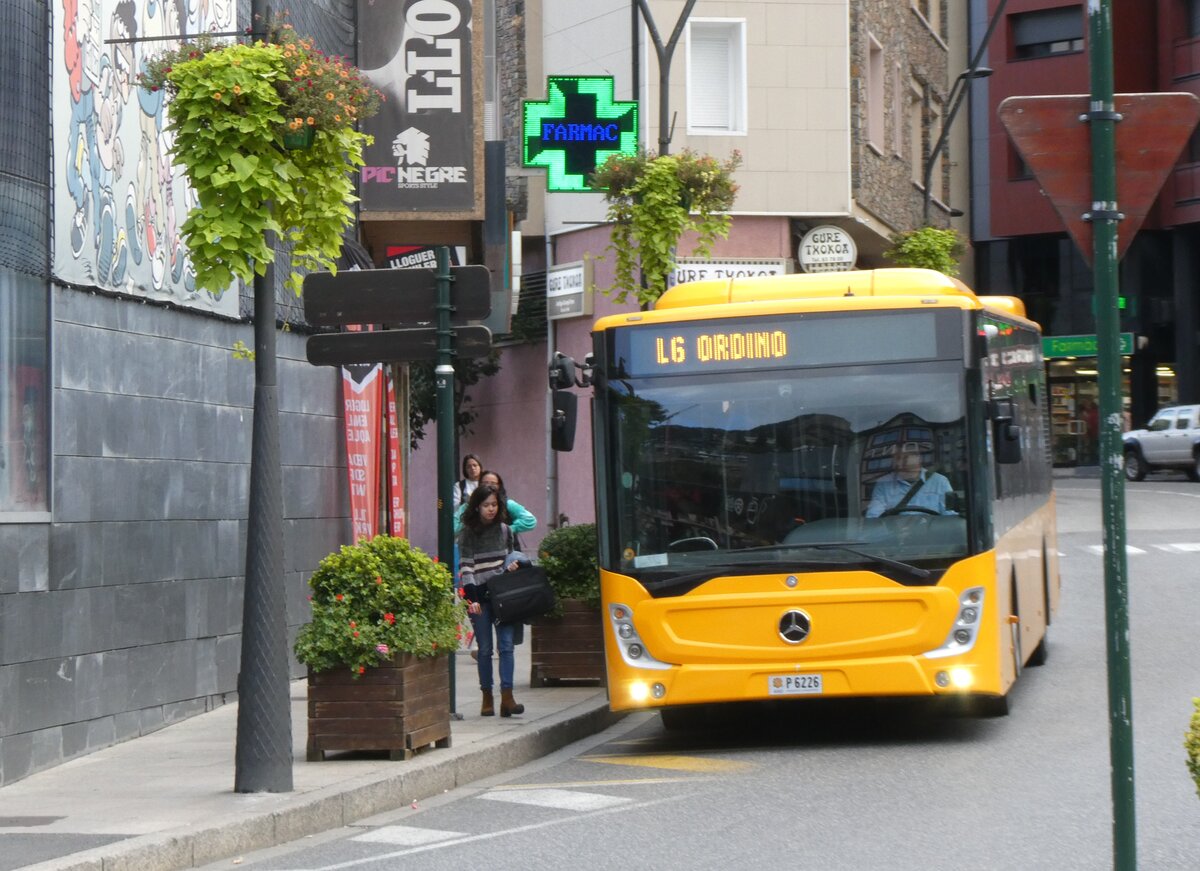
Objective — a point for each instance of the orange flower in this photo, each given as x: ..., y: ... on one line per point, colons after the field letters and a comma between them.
x: 329, y: 95
x: 339, y: 597
x: 217, y: 96
x: 337, y: 118
x: 362, y: 669
x: 352, y: 624
x: 311, y: 121
x: 237, y: 89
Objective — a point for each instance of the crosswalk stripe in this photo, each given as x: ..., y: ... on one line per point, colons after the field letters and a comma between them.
x: 1180, y: 547
x: 1129, y: 549
x: 674, y: 763
x: 405, y: 836
x: 560, y: 799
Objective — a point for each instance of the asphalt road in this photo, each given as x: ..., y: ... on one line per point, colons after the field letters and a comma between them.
x: 866, y: 785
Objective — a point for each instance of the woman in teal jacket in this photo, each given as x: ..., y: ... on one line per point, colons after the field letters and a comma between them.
x: 520, y: 519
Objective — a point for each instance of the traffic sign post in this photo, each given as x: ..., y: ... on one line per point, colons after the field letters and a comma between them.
x: 393, y: 297
x: 395, y: 346
x: 431, y: 309
x: 1068, y: 141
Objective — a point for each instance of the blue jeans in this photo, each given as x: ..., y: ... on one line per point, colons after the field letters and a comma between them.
x: 504, y: 641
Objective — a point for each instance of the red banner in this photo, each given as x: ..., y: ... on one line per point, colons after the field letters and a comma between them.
x: 362, y: 398
x: 395, y: 470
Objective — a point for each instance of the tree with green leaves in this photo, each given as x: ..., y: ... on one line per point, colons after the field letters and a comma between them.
x: 927, y: 248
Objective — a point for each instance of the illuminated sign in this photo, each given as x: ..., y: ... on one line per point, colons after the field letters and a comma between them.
x: 576, y: 128
x: 1079, y: 346
x: 693, y: 347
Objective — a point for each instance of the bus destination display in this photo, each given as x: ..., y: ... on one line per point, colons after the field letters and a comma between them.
x: 774, y: 343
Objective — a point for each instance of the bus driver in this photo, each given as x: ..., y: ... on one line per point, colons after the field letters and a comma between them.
x: 909, y: 488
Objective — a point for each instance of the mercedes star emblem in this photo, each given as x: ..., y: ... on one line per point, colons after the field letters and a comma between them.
x: 794, y: 626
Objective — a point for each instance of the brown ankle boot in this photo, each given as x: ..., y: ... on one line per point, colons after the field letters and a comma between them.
x: 489, y: 708
x: 508, y: 705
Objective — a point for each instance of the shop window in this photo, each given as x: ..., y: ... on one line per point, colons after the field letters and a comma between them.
x: 24, y: 394
x: 1047, y: 32
x: 716, y: 77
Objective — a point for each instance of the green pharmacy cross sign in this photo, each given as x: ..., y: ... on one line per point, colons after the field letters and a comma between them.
x: 576, y: 128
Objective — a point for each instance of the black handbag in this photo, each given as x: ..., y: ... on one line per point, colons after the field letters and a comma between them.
x: 520, y: 595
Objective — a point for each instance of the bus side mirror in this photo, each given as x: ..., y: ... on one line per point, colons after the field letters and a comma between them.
x: 1006, y: 437
x: 562, y: 371
x: 562, y: 420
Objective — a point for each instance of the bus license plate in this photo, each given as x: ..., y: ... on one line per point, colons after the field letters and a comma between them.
x: 794, y: 685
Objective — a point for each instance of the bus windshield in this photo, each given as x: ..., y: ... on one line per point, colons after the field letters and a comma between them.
x: 821, y: 469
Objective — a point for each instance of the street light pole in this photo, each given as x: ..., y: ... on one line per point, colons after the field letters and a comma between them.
x: 957, y: 91
x: 973, y: 71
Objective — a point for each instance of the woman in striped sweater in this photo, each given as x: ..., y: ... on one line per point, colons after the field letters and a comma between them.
x: 482, y: 545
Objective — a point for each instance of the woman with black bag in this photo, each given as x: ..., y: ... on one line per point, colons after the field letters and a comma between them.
x: 484, y: 544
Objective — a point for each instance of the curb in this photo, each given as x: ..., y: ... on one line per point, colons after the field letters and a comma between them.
x: 336, y: 806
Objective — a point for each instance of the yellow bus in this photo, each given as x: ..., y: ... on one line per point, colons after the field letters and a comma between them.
x: 762, y: 532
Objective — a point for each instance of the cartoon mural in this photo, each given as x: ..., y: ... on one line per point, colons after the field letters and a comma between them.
x: 119, y: 203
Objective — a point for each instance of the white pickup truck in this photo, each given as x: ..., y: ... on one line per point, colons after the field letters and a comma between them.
x: 1171, y: 440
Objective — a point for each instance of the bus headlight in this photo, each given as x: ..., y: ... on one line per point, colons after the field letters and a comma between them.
x: 639, y: 691
x: 633, y: 651
x: 963, y: 633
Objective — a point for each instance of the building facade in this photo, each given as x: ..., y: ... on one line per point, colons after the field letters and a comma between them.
x: 834, y: 107
x: 1040, y: 47
x: 125, y: 416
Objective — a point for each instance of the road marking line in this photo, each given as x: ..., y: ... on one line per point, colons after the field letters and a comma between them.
x: 1129, y: 549
x: 405, y: 836
x: 675, y: 763
x: 560, y: 799
x: 1180, y: 547
x: 584, y: 784
x: 470, y: 839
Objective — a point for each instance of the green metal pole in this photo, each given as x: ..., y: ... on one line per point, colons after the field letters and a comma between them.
x: 446, y: 430
x: 1104, y: 218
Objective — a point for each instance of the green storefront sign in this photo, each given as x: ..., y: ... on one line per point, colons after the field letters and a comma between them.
x: 1079, y: 346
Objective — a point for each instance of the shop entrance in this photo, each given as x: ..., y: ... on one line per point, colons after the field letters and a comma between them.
x: 1074, y: 413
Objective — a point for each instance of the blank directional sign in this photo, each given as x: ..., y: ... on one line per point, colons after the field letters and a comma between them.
x: 394, y: 346
x: 394, y: 296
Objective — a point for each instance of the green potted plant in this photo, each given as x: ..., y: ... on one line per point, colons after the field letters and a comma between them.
x: 653, y: 201
x: 265, y: 135
x: 1191, y: 744
x: 568, y: 643
x: 384, y: 615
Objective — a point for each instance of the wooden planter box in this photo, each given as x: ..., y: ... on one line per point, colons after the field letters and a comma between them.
x: 568, y: 648
x: 396, y: 707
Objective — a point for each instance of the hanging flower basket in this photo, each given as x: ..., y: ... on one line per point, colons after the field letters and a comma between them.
x: 299, y: 138
x: 653, y: 201
x: 233, y: 111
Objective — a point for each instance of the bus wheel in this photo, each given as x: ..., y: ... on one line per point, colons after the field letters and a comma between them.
x: 683, y: 719
x: 991, y: 706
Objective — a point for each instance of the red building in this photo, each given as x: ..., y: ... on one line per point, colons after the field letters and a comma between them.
x: 1040, y: 47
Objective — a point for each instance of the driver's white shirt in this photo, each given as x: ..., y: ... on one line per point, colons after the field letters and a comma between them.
x: 891, y: 489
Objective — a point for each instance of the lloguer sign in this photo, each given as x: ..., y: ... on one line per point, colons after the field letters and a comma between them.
x: 827, y: 249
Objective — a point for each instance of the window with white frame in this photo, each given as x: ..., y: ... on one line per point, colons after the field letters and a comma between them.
x: 875, y: 99
x: 916, y: 130
x: 716, y: 77
x: 931, y: 11
x: 897, y: 111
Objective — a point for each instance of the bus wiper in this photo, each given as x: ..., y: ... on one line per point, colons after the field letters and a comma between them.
x: 911, y: 570
x: 696, y: 578
x: 849, y: 546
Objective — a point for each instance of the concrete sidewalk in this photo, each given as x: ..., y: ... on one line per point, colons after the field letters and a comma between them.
x: 165, y: 801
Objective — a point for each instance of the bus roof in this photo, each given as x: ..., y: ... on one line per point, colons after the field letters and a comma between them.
x: 823, y: 291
